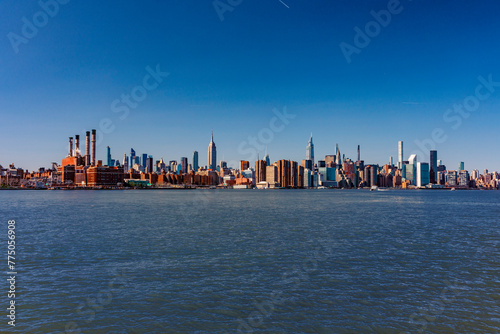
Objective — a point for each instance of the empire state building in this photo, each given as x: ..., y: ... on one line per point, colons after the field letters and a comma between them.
x: 212, y: 154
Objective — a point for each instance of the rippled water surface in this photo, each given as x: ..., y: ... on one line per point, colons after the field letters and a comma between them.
x: 250, y: 261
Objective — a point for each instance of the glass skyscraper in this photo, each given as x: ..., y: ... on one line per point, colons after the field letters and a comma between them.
x: 309, y: 150
x: 195, y: 161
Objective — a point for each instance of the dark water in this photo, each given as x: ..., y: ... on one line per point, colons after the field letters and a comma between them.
x: 281, y: 261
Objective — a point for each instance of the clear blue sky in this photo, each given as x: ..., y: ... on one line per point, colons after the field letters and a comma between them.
x: 229, y: 75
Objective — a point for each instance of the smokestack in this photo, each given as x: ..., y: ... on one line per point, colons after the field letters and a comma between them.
x: 87, y: 149
x: 92, y: 162
x: 77, y: 145
x: 359, y: 155
x: 70, y: 146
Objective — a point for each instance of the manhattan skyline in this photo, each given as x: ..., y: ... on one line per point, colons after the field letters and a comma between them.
x: 229, y: 76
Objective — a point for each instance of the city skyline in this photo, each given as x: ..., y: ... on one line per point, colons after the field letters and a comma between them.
x: 405, y: 84
x: 91, y: 153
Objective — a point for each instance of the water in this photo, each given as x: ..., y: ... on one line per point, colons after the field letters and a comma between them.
x: 250, y: 261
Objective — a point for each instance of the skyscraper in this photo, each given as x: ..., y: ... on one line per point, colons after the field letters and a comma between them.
x: 212, y: 154
x: 338, y: 156
x: 433, y: 167
x: 260, y: 170
x: 149, y: 164
x: 195, y: 161
x: 359, y: 154
x: 244, y: 164
x: 125, y: 163
x: 411, y: 169
x: 400, y: 154
x: 461, y: 166
x: 267, y: 160
x: 108, y: 156
x: 284, y: 173
x: 144, y: 160
x: 132, y: 158
x: 184, y: 165
x: 422, y: 174
x: 310, y: 150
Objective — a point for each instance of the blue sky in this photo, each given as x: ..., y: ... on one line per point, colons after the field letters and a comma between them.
x: 229, y: 75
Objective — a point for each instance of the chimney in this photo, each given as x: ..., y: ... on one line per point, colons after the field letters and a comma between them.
x: 77, y: 145
x: 70, y: 146
x: 92, y: 162
x: 87, y: 149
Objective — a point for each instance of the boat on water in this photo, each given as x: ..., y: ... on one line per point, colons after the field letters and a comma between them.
x: 452, y: 189
x: 374, y: 188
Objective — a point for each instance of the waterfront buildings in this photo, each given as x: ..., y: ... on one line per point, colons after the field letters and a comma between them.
x: 334, y: 171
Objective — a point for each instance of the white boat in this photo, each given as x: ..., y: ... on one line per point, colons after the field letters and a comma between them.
x: 373, y: 188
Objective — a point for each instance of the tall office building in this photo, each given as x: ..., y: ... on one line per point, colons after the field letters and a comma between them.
x: 125, y: 163
x: 310, y: 150
x: 411, y: 169
x: 244, y: 165
x: 272, y: 176
x: 284, y: 173
x: 422, y: 174
x: 173, y: 165
x: 260, y: 170
x: 195, y: 161
x: 266, y: 158
x: 144, y: 160
x: 149, y: 164
x: 461, y: 166
x: 293, y: 174
x: 212, y: 154
x: 338, y: 158
x: 132, y: 158
x: 400, y: 154
x: 308, y: 164
x: 359, y: 153
x: 108, y: 156
x: 463, y: 178
x: 184, y: 165
x: 433, y: 167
